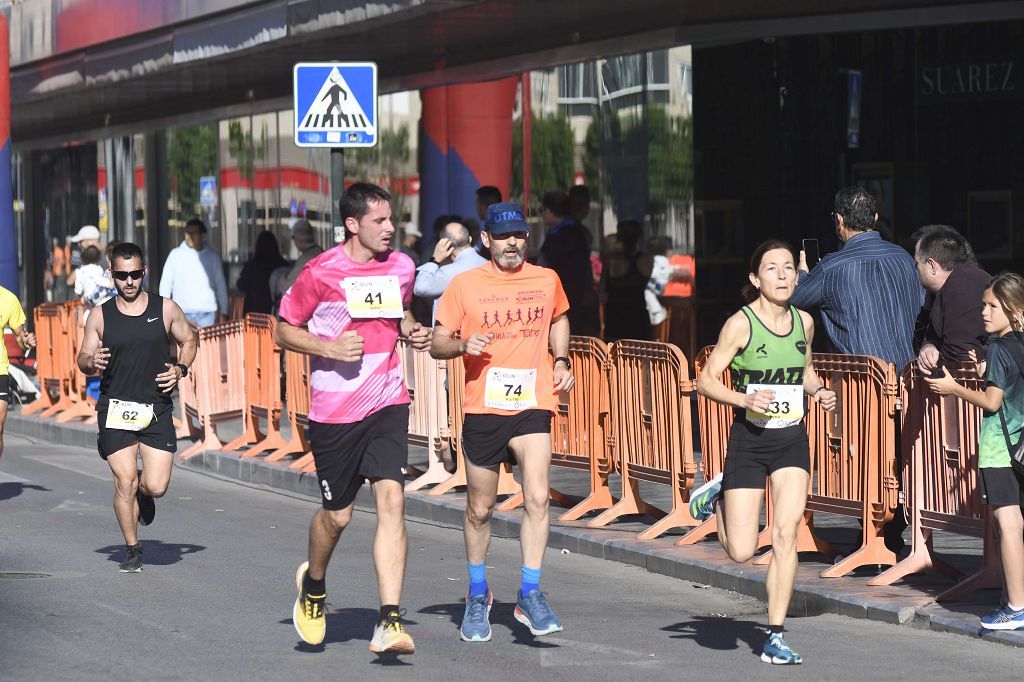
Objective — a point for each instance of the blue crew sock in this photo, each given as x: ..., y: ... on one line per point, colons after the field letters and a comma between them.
x: 477, y: 579
x: 531, y: 580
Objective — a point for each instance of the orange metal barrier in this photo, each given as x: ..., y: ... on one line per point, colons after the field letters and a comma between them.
x: 219, y: 382
x: 82, y: 406
x: 297, y: 403
x: 579, y: 430
x: 940, y: 444
x: 507, y: 484
x: 651, y: 431
x: 853, y: 453
x: 51, y: 356
x: 236, y: 304
x: 428, y: 413
x: 262, y: 382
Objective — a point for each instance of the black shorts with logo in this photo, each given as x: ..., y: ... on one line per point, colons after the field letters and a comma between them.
x: 348, y: 454
x: 754, y: 453
x: 485, y: 437
x: 159, y: 435
x: 1001, y: 487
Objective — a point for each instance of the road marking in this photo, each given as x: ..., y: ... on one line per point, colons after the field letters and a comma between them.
x: 570, y: 653
x: 76, y: 506
x: 11, y: 478
x: 79, y: 464
x: 131, y: 616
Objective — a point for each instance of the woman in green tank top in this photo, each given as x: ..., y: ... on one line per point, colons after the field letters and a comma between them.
x: 767, y: 347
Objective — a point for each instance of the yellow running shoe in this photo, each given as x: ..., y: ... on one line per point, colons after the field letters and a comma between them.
x: 308, y: 613
x: 390, y: 637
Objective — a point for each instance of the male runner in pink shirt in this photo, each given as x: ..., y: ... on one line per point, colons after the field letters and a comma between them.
x: 347, y: 309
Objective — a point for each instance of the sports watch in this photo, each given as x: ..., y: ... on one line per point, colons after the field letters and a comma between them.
x: 183, y: 368
x: 568, y: 365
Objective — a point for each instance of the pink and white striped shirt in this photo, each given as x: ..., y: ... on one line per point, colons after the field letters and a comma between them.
x: 346, y: 392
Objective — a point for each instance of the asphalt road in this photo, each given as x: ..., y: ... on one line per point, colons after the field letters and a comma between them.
x: 214, y: 600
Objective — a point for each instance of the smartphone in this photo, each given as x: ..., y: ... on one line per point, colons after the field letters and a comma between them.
x: 810, y: 249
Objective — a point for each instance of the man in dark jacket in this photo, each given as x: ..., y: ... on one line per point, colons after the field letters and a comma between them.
x: 566, y: 250
x: 952, y: 309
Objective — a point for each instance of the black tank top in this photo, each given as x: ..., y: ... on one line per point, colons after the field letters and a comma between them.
x: 139, y: 347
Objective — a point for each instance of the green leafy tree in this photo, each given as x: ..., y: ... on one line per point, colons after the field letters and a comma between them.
x: 384, y: 163
x: 553, y: 156
x: 191, y: 154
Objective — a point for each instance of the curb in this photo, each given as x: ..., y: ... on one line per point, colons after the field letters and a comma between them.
x: 703, y: 563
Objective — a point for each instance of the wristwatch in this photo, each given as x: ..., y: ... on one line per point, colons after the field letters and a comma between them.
x: 183, y: 368
x: 568, y: 365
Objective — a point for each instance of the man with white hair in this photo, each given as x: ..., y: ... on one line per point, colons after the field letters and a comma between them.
x: 304, y: 239
x: 454, y: 253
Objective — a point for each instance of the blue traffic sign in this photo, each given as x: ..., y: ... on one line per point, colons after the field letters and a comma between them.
x: 335, y: 104
x: 208, y: 190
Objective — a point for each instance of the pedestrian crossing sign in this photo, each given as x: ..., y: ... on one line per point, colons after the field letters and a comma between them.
x: 335, y: 104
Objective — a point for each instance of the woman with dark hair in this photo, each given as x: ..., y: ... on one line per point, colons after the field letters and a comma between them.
x: 254, y: 281
x: 767, y: 348
x: 626, y: 272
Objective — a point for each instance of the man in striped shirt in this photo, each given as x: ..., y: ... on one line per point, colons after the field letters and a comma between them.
x: 868, y: 292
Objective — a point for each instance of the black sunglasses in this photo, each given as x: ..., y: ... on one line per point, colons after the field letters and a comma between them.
x: 123, y: 275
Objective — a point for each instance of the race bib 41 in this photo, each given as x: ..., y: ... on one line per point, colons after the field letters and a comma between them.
x: 372, y: 297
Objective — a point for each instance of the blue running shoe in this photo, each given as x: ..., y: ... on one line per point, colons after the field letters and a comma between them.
x: 702, y: 500
x: 776, y: 651
x: 476, y: 621
x: 532, y: 610
x: 1004, y: 619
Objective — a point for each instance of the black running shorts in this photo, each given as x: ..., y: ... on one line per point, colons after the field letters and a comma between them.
x: 1000, y: 487
x: 485, y: 437
x: 754, y: 453
x: 159, y: 434
x: 5, y: 387
x: 348, y: 454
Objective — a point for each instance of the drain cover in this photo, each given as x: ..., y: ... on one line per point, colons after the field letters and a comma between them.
x: 14, y: 575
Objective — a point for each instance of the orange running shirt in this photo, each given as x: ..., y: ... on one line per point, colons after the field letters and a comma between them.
x: 677, y: 287
x: 517, y: 309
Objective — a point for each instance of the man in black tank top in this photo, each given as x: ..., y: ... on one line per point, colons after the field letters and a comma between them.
x: 128, y: 339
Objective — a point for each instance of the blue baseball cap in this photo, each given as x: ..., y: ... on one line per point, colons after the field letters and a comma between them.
x: 505, y: 217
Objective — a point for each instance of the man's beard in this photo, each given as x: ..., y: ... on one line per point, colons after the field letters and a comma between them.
x: 506, y: 260
x: 126, y: 297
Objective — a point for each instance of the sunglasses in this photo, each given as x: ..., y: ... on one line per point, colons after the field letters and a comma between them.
x: 123, y: 275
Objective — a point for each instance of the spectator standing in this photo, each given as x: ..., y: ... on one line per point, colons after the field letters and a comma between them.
x: 254, y: 281
x: 411, y: 241
x: 567, y: 252
x: 92, y: 285
x: 868, y: 292
x: 452, y: 255
x: 88, y: 235
x: 626, y: 273
x: 304, y: 239
x: 193, y: 277
x: 952, y: 307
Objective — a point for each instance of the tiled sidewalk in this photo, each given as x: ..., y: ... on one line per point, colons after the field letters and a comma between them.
x: 909, y: 603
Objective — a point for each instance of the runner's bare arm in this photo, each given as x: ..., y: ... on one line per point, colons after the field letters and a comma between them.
x: 25, y: 339
x: 734, y: 337
x: 187, y: 339
x: 444, y: 345
x: 415, y: 333
x: 347, y: 348
x: 93, y: 356
x: 558, y: 341
x: 813, y: 385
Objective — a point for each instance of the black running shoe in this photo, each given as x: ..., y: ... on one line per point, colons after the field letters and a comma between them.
x: 147, y: 508
x: 132, y: 559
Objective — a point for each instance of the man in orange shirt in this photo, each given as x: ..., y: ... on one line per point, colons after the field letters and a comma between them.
x: 507, y: 313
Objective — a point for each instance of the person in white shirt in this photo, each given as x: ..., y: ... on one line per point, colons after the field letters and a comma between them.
x: 193, y: 277
x: 452, y: 255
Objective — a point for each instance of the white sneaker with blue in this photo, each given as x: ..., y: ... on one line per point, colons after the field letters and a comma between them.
x: 532, y: 610
x: 777, y: 652
x: 476, y: 621
x: 702, y: 500
x: 1004, y: 619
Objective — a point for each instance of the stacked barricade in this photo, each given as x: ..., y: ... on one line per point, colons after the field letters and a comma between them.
x: 220, y: 386
x: 297, y: 402
x: 940, y: 442
x: 651, y: 431
x: 262, y: 383
x: 51, y: 356
x: 81, y: 406
x: 428, y: 414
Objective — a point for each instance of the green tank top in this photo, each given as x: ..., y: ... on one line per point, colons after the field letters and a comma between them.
x: 769, y: 358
